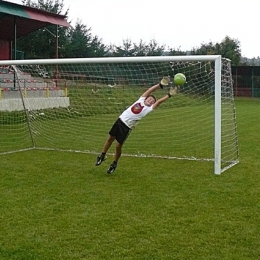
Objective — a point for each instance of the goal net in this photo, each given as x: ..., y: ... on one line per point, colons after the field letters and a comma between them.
x: 71, y: 104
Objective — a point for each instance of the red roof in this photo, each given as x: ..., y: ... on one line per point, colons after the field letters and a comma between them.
x: 26, y: 19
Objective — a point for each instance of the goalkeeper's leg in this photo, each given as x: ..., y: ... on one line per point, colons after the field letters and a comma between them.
x: 102, y: 156
x: 112, y: 136
x: 118, y: 153
x: 118, y: 132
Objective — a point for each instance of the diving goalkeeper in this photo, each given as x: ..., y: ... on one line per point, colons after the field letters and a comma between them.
x: 129, y: 119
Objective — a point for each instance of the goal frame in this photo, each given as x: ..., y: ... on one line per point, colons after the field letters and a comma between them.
x: 189, y: 58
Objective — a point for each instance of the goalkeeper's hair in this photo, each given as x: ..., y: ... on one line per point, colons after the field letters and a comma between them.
x: 152, y: 97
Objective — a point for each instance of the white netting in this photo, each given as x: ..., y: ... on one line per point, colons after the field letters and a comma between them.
x: 71, y: 106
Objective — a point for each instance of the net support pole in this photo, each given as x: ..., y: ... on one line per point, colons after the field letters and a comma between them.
x: 217, y: 148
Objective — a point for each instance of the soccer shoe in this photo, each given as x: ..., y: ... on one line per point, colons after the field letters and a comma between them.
x: 100, y: 159
x: 112, y: 168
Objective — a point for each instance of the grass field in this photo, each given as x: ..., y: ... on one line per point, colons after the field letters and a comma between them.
x: 58, y: 205
x: 183, y: 127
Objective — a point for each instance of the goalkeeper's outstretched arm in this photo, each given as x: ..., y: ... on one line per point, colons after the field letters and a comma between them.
x: 150, y: 90
x: 172, y: 91
x: 163, y: 83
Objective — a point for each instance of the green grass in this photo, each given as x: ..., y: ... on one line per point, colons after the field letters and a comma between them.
x: 58, y: 205
x: 73, y: 128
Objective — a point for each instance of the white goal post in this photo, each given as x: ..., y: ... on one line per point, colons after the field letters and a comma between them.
x: 70, y: 105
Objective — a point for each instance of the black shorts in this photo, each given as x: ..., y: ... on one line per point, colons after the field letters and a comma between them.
x: 120, y: 131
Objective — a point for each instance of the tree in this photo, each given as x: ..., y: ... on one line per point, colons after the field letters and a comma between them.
x: 150, y: 49
x: 153, y: 49
x: 126, y: 50
x: 82, y: 44
x: 140, y: 49
x: 228, y: 48
x: 56, y: 6
x: 129, y: 49
x: 79, y: 41
x: 98, y: 48
x: 174, y: 52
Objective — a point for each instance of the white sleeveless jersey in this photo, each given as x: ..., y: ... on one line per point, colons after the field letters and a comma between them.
x: 135, y: 112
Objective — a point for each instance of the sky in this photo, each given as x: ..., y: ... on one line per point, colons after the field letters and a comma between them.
x: 182, y: 24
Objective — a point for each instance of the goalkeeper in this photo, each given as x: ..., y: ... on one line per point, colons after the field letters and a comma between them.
x: 129, y: 119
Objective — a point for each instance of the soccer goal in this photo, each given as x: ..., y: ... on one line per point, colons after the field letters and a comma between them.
x: 70, y: 105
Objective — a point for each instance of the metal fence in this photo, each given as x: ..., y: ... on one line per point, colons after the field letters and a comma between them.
x: 246, y: 81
